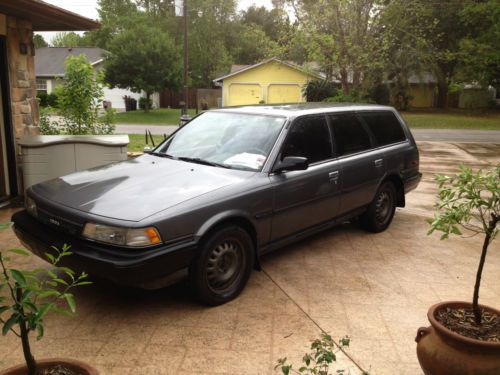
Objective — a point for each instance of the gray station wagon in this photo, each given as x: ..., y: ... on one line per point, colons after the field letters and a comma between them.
x: 227, y: 187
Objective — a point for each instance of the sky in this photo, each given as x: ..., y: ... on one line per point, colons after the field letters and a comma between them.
x: 88, y: 8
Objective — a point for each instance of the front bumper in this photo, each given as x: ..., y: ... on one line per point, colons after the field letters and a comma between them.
x: 147, y: 268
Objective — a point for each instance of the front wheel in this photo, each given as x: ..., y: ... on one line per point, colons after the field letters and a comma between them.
x: 223, y: 266
x: 381, y: 210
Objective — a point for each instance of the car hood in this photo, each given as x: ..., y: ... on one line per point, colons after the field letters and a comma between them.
x: 135, y: 189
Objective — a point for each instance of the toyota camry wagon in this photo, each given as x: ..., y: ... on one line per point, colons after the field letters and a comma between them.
x: 226, y: 188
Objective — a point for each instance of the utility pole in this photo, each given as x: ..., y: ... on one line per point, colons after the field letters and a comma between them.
x: 186, y: 90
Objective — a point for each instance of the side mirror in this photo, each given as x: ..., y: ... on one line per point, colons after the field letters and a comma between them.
x: 147, y: 149
x: 291, y: 163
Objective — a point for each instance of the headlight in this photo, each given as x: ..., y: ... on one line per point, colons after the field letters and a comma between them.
x: 31, y: 206
x: 134, y: 237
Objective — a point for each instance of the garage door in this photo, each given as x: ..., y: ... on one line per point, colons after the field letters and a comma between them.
x: 284, y: 94
x: 241, y: 94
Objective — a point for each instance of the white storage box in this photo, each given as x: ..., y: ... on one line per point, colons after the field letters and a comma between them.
x: 48, y: 156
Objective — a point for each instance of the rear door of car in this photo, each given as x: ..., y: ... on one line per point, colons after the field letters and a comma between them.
x: 362, y: 166
x: 400, y: 155
x: 309, y: 197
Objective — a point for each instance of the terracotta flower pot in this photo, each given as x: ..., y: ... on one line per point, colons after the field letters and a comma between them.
x: 441, y: 351
x: 72, y: 364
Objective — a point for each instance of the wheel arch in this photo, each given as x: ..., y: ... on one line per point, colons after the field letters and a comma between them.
x: 235, y: 217
x: 400, y: 189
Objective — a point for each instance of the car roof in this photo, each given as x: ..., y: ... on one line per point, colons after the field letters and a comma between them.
x: 295, y: 110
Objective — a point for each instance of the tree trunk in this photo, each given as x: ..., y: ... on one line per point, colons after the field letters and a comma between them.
x: 28, y: 357
x: 475, y: 301
x: 344, y: 80
x: 442, y: 95
x: 146, y: 106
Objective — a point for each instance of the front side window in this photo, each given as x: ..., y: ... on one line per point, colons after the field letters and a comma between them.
x: 384, y: 126
x: 309, y: 137
x: 349, y: 135
x: 239, y: 141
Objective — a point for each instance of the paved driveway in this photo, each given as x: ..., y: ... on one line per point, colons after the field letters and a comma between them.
x: 375, y: 288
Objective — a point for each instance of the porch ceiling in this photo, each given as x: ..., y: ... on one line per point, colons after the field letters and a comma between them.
x: 46, y: 17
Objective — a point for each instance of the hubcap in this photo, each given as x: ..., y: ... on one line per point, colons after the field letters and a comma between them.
x: 223, y: 265
x: 384, y: 206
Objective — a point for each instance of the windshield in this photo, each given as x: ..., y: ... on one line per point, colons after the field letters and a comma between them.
x: 233, y: 140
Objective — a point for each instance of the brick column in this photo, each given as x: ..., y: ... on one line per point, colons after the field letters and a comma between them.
x: 24, y: 105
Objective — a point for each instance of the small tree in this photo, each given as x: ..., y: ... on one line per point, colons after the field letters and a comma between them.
x: 143, y: 58
x: 31, y: 295
x: 470, y: 201
x: 79, y: 97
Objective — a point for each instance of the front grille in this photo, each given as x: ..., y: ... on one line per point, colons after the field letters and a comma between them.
x: 58, y: 223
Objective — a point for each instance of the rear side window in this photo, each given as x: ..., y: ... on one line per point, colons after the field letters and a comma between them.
x: 309, y: 137
x: 349, y: 134
x: 384, y: 126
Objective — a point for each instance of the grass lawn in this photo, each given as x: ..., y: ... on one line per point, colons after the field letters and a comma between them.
x: 161, y: 116
x: 137, y: 142
x: 437, y: 120
x: 429, y: 120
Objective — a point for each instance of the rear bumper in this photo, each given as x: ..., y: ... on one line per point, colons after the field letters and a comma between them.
x: 412, y: 182
x: 147, y: 268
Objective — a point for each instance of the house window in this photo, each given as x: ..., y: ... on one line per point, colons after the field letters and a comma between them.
x: 41, y: 85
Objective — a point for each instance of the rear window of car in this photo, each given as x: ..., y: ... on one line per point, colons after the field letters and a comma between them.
x: 384, y: 126
x: 349, y: 134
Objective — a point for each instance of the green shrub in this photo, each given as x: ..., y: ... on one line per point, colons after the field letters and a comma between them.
x: 143, y: 101
x: 318, y: 90
x: 47, y: 100
x: 352, y: 97
x: 47, y: 127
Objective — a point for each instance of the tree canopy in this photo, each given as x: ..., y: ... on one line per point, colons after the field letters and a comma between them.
x: 362, y: 44
x: 143, y: 58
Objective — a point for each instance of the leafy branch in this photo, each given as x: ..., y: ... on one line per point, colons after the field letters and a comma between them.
x: 35, y: 293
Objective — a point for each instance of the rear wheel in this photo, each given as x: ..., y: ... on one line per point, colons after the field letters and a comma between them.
x: 223, y: 266
x: 381, y: 211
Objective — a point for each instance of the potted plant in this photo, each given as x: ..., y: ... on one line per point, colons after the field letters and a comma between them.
x: 464, y: 338
x: 26, y: 297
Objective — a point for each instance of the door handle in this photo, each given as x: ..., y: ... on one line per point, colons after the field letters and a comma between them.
x: 379, y: 163
x: 334, y: 176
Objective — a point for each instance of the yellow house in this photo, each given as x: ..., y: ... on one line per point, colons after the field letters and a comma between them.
x: 270, y: 81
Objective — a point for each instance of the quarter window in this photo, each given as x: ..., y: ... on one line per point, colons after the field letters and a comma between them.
x: 385, y: 127
x: 309, y: 137
x: 349, y: 135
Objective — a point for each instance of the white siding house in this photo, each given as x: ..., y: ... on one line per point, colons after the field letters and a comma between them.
x: 49, y: 68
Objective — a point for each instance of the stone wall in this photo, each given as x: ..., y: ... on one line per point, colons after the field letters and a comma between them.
x: 24, y: 105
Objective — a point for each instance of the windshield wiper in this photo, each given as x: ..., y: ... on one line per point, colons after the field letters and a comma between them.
x: 203, y: 161
x: 161, y: 154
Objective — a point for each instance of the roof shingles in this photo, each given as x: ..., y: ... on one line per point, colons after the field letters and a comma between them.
x: 49, y: 61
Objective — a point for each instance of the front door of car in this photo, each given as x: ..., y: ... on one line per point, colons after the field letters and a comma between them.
x: 362, y: 166
x: 307, y: 197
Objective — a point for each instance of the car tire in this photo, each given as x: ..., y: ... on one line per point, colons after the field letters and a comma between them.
x: 222, y: 268
x: 381, y: 210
